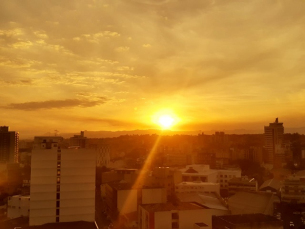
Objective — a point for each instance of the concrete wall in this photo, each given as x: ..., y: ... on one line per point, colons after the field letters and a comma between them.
x: 18, y: 206
x: 127, y: 201
x: 163, y: 220
x: 153, y: 196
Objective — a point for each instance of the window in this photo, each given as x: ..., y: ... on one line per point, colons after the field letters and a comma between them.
x: 57, y: 219
x: 57, y: 212
x: 175, y: 215
x: 175, y: 225
x: 57, y: 204
x: 57, y: 196
x: 58, y: 180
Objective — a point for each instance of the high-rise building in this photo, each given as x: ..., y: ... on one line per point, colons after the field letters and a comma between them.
x: 273, y: 135
x: 8, y: 145
x: 62, y: 183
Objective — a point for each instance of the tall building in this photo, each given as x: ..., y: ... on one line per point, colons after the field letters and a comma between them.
x: 8, y: 145
x: 273, y: 135
x: 62, y: 183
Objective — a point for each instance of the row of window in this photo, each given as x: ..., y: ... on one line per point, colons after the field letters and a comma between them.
x: 58, y: 185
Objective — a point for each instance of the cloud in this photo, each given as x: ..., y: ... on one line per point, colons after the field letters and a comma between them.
x: 108, y: 121
x: 24, y: 82
x: 50, y: 104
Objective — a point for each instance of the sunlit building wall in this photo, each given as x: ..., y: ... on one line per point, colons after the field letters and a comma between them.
x: 18, y: 206
x: 62, y: 184
x: 203, y: 173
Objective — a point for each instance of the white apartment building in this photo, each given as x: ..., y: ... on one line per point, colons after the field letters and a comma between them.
x: 203, y: 173
x: 178, y: 216
x: 197, y: 187
x: 62, y: 184
x: 18, y: 206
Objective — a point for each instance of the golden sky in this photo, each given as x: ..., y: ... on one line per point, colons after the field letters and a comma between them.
x: 113, y: 64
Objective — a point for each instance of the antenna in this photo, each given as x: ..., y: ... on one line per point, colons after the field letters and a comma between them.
x: 56, y: 132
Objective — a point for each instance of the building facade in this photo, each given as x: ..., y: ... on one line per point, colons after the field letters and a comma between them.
x: 18, y: 206
x: 293, y: 190
x: 8, y: 145
x: 174, y: 216
x: 273, y: 136
x: 242, y: 184
x: 198, y: 187
x: 62, y: 184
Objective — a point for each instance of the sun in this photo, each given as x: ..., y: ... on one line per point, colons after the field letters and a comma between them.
x: 166, y: 121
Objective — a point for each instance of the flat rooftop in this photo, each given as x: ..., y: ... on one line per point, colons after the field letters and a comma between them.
x: 23, y: 223
x: 66, y: 225
x: 247, y: 218
x: 169, y: 207
x: 128, y: 186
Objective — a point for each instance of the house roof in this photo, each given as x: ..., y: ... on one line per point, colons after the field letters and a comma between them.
x: 272, y: 183
x: 210, y: 201
x: 251, y: 202
x: 169, y: 207
x: 191, y: 170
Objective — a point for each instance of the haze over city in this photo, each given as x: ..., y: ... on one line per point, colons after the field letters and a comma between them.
x: 121, y: 65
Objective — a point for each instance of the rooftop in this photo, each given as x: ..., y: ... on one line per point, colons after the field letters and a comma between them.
x: 248, y: 218
x: 128, y: 186
x: 169, y: 207
x: 201, y: 224
x: 251, y: 202
x: 210, y: 201
x: 66, y: 225
x: 272, y: 183
x: 197, y: 183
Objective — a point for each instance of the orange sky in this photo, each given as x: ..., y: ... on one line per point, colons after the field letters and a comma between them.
x: 113, y: 64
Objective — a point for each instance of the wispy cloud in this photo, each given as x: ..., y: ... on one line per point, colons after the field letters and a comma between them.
x: 50, y: 104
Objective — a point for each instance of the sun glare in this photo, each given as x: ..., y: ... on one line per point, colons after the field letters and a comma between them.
x: 166, y: 121
x: 165, y: 118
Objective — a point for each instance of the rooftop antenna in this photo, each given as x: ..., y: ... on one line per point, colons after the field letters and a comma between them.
x: 56, y: 132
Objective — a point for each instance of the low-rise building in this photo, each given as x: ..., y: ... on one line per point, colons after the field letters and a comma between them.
x: 18, y: 206
x: 238, y: 184
x: 197, y: 187
x: 293, y: 190
x: 205, y: 174
x: 174, y: 216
